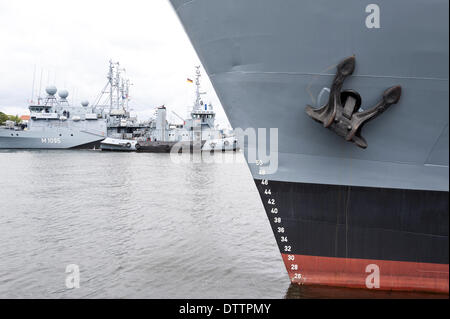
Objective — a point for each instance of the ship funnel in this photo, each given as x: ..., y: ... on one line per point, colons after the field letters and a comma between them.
x: 161, y: 122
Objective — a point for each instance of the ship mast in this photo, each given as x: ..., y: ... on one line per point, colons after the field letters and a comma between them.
x: 117, y: 84
x: 110, y: 81
x: 198, y: 93
x: 124, y: 91
x: 118, y: 87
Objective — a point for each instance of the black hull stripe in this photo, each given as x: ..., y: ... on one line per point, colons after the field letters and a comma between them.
x: 358, y: 222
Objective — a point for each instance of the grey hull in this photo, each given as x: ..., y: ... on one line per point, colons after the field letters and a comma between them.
x: 268, y: 59
x: 115, y: 148
x: 167, y: 147
x: 51, y: 139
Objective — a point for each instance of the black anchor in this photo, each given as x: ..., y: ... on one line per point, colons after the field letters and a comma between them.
x: 347, y: 121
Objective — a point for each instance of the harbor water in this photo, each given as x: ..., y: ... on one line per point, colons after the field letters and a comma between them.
x: 138, y: 225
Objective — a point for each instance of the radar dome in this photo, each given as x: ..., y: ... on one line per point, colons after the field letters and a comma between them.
x: 51, y: 90
x: 63, y: 94
x: 85, y: 103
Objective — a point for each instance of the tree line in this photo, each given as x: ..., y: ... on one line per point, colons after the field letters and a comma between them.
x: 5, y: 117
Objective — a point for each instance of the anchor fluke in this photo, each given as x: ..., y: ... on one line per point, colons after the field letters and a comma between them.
x: 393, y: 94
x: 347, y: 66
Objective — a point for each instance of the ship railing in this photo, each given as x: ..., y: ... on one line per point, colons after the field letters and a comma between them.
x: 44, y: 116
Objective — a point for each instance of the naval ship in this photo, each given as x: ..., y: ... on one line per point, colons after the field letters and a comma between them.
x: 198, y: 128
x: 123, y: 129
x: 197, y: 132
x: 55, y: 124
x: 359, y: 95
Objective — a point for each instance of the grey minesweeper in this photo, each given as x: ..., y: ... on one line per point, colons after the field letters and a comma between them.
x: 54, y: 124
x: 347, y: 202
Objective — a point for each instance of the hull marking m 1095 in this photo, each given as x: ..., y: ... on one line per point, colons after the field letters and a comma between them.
x: 51, y: 140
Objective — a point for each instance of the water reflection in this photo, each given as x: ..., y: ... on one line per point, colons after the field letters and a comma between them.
x: 323, y: 292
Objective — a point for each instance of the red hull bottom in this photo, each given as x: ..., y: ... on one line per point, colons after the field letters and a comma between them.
x: 366, y: 273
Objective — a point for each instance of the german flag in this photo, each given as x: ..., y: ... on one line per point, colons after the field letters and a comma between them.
x: 189, y: 80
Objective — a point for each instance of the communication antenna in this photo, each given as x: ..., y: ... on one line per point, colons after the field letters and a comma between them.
x: 32, y: 88
x: 75, y: 92
x: 110, y: 81
x: 40, y: 88
x: 198, y: 94
x: 125, y: 92
x: 114, y: 83
x: 116, y: 90
x: 118, y: 85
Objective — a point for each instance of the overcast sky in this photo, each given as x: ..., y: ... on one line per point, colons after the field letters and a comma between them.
x: 71, y: 42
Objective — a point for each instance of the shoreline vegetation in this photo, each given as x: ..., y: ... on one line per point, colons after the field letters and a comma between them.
x: 5, y: 117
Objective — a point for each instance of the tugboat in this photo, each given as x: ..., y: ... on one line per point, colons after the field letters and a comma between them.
x: 161, y: 138
x: 197, y: 134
